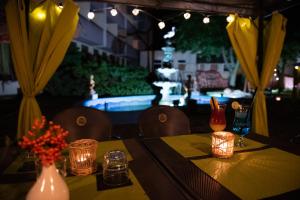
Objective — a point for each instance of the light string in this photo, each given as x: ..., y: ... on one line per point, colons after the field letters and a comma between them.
x: 161, y: 22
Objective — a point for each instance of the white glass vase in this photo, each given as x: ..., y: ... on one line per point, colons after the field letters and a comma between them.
x: 49, y: 185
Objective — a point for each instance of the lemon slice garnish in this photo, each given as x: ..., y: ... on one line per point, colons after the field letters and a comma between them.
x: 235, y: 105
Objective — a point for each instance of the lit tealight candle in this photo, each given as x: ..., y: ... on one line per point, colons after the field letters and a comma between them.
x: 222, y: 144
x: 83, y: 156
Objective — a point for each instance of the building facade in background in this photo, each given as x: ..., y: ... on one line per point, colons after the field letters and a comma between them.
x: 120, y: 37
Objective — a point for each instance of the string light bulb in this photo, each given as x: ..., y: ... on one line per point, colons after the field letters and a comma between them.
x: 60, y: 5
x: 187, y: 15
x: 161, y: 25
x: 113, y: 12
x: 206, y: 20
x: 91, y: 15
x: 230, y: 18
x: 278, y: 98
x: 135, y: 11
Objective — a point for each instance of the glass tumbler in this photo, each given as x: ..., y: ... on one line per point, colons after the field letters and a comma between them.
x: 115, y: 168
x: 241, y: 123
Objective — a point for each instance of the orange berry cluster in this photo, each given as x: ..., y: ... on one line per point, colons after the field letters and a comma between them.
x: 46, y: 140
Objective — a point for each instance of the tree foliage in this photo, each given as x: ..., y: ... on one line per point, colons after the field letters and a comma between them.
x: 73, y: 77
x: 121, y: 81
x: 291, y: 49
x: 208, y: 39
x: 212, y: 40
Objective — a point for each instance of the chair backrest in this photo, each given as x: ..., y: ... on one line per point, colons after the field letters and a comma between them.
x: 84, y: 122
x: 163, y: 121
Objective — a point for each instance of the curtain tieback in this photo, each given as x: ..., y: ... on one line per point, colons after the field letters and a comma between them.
x: 29, y: 96
x: 260, y: 90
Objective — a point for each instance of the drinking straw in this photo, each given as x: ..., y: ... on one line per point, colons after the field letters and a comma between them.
x: 214, y: 103
x: 211, y: 104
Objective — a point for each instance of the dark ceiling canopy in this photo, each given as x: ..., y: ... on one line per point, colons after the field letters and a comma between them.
x: 241, y: 7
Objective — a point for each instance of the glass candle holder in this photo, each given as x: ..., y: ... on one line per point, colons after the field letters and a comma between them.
x: 222, y: 144
x: 82, y: 155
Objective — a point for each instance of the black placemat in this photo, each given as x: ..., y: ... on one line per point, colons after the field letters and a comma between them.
x: 28, y: 166
x: 102, y: 186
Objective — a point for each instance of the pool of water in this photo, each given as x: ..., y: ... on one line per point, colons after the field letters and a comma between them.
x: 134, y: 103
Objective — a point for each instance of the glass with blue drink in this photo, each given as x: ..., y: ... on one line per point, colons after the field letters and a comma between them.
x: 241, y: 123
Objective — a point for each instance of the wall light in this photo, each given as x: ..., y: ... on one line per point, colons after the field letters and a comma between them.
x: 39, y: 14
x: 296, y: 67
x: 91, y: 15
x: 135, y: 11
x: 187, y: 15
x: 206, y: 20
x: 113, y: 12
x: 161, y: 25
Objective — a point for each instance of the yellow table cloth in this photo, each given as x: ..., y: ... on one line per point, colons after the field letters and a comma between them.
x: 200, y: 144
x: 81, y: 187
x: 85, y: 188
x: 256, y: 174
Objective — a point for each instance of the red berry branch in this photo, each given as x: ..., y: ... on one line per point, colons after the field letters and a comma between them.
x: 46, y: 140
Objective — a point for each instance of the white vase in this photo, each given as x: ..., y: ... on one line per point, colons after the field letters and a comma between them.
x: 49, y: 185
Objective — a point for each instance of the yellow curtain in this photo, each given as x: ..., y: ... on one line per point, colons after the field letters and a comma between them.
x: 39, y: 41
x: 243, y: 35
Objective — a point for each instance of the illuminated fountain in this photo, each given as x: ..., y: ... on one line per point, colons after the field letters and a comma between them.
x: 166, y: 84
x: 167, y: 78
x: 167, y: 75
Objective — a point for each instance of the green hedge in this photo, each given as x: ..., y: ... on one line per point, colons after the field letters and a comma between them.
x: 72, y: 77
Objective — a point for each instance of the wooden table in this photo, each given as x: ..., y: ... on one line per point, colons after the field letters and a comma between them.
x: 197, y: 183
x: 162, y: 172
